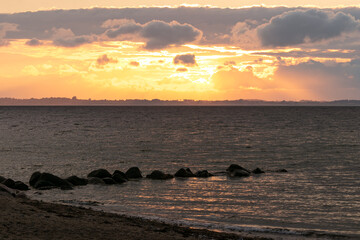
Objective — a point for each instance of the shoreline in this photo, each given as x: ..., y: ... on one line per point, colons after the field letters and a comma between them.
x: 25, y: 218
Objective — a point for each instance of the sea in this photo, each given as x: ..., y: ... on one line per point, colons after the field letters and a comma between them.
x: 318, y: 146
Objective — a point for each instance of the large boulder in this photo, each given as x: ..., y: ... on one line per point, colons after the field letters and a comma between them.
x: 203, y: 174
x: 99, y: 173
x: 9, y: 183
x: 184, y: 172
x: 48, y: 180
x: 257, y: 171
x: 133, y: 172
x: 159, y: 175
x: 76, y: 181
x: 2, y: 179
x: 34, y: 178
x: 119, y: 177
x: 235, y: 170
x: 21, y: 186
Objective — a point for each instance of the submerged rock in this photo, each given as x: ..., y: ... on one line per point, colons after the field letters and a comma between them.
x: 133, y: 172
x: 119, y: 177
x: 109, y: 181
x: 99, y: 173
x: 184, y: 172
x: 76, y: 181
x: 257, y: 171
x: 95, y: 180
x: 235, y: 170
x: 159, y: 175
x: 203, y: 174
x: 282, y: 170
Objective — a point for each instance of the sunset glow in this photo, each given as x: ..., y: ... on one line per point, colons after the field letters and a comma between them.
x: 270, y: 53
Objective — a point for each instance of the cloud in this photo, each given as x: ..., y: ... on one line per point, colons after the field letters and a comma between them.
x: 185, y: 59
x: 182, y: 70
x: 34, y: 42
x: 104, y: 59
x: 158, y: 34
x: 298, y: 27
x: 134, y: 64
x: 66, y: 38
x: 4, y: 29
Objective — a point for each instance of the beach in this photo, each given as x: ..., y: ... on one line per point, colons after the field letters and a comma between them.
x: 23, y: 218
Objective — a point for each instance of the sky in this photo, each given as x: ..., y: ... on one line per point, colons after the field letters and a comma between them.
x: 171, y: 50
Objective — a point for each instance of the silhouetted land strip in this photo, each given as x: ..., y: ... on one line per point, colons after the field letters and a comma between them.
x: 156, y: 102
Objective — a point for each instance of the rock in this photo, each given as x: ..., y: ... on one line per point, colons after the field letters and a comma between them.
x: 2, y: 179
x: 119, y: 177
x: 49, y: 180
x: 44, y: 185
x: 159, y: 175
x: 120, y: 173
x: 7, y: 190
x: 100, y: 173
x: 76, y: 181
x: 239, y: 173
x: 257, y: 171
x: 184, y: 172
x: 109, y: 181
x: 234, y: 167
x: 282, y: 170
x: 133, y: 172
x: 21, y: 186
x: 9, y: 183
x: 203, y: 174
x: 95, y: 180
x: 34, y: 178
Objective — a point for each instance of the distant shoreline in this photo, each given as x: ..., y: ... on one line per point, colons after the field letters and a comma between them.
x: 156, y: 102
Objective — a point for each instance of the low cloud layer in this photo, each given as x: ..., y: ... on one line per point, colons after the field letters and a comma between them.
x: 66, y: 38
x: 185, y: 59
x: 297, y: 27
x: 34, y: 42
x: 4, y: 29
x: 157, y: 34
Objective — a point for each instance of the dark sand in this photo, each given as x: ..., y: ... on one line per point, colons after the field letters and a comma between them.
x: 22, y: 218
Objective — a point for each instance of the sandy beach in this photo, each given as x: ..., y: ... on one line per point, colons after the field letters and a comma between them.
x: 23, y: 218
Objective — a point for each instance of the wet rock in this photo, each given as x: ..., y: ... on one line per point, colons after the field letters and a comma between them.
x: 119, y: 177
x: 95, y: 180
x: 21, y: 186
x: 184, y: 172
x: 159, y: 175
x: 133, y: 172
x: 234, y: 167
x: 282, y: 170
x: 76, y: 181
x: 257, y: 171
x: 235, y: 170
x: 48, y: 180
x: 6, y: 190
x: 203, y: 174
x: 9, y: 183
x: 109, y: 181
x: 2, y: 179
x: 34, y: 178
x: 120, y: 173
x: 99, y: 173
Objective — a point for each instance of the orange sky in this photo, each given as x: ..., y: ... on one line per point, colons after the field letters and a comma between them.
x: 183, y: 57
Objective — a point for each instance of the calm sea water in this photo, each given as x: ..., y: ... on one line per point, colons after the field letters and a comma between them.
x: 319, y: 146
